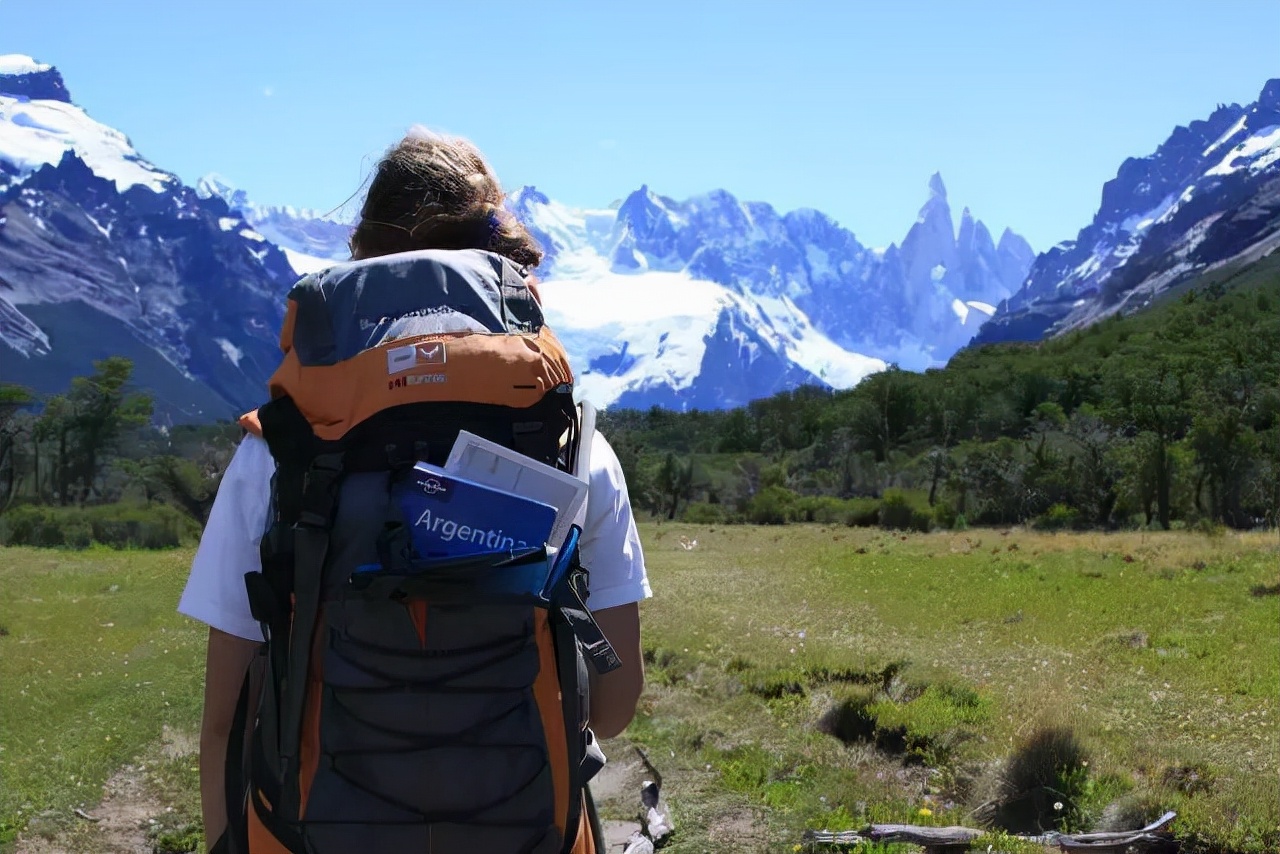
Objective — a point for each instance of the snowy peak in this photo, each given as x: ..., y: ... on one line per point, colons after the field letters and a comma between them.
x: 646, y: 220
x: 310, y: 240
x: 39, y: 124
x: 681, y: 281
x: 215, y: 186
x: 522, y: 200
x: 23, y: 77
x: 1208, y: 194
x: 90, y: 269
x: 937, y: 189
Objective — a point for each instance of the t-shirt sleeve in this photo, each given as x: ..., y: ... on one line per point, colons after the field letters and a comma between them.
x: 610, y: 548
x: 215, y: 592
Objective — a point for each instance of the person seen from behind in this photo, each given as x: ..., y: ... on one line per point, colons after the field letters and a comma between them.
x: 428, y: 192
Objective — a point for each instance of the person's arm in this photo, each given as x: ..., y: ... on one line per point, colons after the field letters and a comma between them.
x: 615, y: 694
x: 227, y: 661
x: 612, y: 554
x: 215, y: 595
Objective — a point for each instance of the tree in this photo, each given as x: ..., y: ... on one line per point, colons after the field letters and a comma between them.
x: 1225, y: 446
x: 674, y: 484
x: 1096, y: 471
x: 99, y: 410
x: 884, y: 410
x: 1154, y: 402
x: 12, y: 400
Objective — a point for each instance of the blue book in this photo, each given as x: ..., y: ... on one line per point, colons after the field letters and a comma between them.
x: 450, y: 516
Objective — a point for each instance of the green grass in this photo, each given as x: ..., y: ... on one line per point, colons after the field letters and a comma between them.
x: 1155, y: 651
x: 96, y: 666
x: 802, y: 677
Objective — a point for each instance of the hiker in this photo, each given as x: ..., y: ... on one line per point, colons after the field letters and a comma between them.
x: 429, y: 192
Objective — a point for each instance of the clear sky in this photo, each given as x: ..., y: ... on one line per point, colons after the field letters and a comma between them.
x: 1026, y: 108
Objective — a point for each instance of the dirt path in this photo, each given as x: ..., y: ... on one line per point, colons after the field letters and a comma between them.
x: 117, y: 826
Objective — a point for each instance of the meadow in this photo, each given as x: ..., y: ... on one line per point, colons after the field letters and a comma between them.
x: 805, y: 676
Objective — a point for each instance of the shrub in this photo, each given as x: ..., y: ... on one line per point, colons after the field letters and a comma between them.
x: 121, y: 526
x: 142, y: 526
x: 1059, y: 517
x: 31, y: 525
x: 862, y: 513
x: 1041, y: 785
x: 703, y: 513
x: 898, y: 513
x: 771, y: 506
x: 944, y: 514
x: 819, y: 508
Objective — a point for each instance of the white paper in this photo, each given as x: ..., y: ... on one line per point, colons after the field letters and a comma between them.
x: 491, y: 464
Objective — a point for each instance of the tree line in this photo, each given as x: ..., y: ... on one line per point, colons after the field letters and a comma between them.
x: 95, y: 445
x: 1167, y: 417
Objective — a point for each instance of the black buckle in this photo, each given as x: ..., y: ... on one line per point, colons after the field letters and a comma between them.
x: 584, y: 626
x: 320, y: 490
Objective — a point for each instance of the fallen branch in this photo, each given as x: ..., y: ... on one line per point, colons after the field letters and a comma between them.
x: 1152, y: 838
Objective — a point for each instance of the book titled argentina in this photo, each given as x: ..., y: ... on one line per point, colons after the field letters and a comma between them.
x: 450, y: 516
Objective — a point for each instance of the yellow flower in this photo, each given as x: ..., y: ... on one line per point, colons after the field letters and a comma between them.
x: 925, y: 811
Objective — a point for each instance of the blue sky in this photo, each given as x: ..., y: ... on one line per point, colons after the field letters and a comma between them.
x: 1026, y: 108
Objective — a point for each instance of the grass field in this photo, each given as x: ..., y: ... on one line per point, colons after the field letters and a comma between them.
x: 819, y: 677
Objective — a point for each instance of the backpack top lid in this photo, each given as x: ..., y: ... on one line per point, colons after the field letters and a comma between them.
x: 430, y: 325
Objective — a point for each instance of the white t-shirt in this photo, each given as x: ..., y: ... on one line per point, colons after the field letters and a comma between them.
x: 215, y: 592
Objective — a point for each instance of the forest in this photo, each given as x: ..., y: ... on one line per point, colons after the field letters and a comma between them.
x: 1166, y: 418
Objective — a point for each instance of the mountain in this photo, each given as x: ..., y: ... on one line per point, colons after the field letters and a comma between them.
x: 310, y: 240
x: 708, y: 302
x: 103, y: 253
x: 715, y: 301
x: 1208, y: 196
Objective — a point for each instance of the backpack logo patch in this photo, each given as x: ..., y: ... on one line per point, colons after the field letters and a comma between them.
x: 400, y: 359
x: 431, y: 354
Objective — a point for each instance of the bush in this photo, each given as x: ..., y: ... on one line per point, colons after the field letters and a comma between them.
x: 862, y: 513
x: 1059, y: 517
x: 703, y: 513
x: 771, y: 506
x: 120, y: 526
x: 819, y: 508
x: 31, y: 525
x: 898, y: 513
x: 1041, y: 785
x: 944, y: 514
x: 141, y: 526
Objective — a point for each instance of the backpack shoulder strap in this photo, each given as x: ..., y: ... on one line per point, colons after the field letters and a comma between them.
x: 582, y: 461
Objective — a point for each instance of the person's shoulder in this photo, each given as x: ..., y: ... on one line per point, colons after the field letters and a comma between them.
x: 251, y: 460
x: 604, y: 460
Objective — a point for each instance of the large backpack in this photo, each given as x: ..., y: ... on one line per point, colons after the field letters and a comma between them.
x: 416, y: 712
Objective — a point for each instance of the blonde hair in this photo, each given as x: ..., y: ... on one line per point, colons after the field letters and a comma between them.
x: 434, y: 191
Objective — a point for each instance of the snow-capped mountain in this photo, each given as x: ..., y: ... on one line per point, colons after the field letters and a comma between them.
x: 1209, y: 195
x: 708, y: 302
x: 713, y: 301
x: 103, y: 253
x: 310, y: 240
x: 38, y: 123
